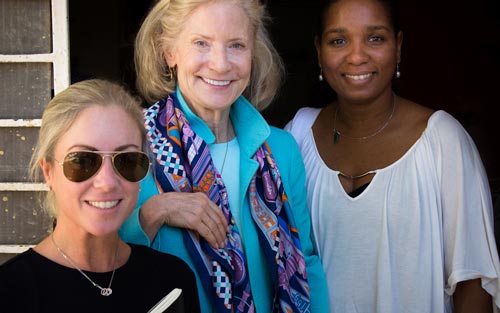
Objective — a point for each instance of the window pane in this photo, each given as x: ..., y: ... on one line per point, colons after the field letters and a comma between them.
x: 26, y: 27
x: 16, y: 148
x: 26, y: 89
x: 22, y: 221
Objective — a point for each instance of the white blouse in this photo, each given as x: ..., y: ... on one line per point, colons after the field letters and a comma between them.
x: 422, y: 225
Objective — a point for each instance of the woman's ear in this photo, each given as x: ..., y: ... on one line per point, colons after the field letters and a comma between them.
x: 47, y: 172
x: 170, y: 58
x: 399, y: 42
x: 317, y: 44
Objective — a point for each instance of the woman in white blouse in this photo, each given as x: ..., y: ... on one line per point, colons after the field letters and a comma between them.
x: 400, y: 204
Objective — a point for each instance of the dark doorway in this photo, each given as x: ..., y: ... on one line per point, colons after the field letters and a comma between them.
x: 450, y: 58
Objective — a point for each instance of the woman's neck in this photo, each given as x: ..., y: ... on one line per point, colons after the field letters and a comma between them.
x: 223, y: 130
x: 360, y: 119
x: 90, y: 253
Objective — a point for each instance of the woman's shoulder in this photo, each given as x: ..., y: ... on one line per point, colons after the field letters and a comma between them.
x: 444, y: 121
x: 303, y: 119
x: 302, y: 122
x: 440, y: 129
x: 148, y: 255
x: 281, y: 140
x: 433, y: 120
x: 20, y: 270
x: 18, y: 262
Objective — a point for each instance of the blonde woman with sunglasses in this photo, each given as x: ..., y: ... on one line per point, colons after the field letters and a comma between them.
x: 83, y: 265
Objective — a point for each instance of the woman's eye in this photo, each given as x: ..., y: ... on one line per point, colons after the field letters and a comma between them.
x: 336, y: 42
x: 200, y: 43
x: 237, y: 45
x: 376, y: 39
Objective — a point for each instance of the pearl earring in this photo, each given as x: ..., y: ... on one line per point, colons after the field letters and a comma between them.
x: 398, y: 72
x: 320, y: 76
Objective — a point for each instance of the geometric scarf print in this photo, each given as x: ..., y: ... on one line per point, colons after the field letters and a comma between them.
x: 280, y: 241
x: 181, y: 158
x: 184, y: 164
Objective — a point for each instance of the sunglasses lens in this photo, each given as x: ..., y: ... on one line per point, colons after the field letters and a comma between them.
x: 133, y: 166
x: 81, y: 165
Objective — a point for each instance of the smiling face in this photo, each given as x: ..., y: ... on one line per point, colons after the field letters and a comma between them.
x: 358, y: 50
x: 213, y: 55
x: 100, y: 204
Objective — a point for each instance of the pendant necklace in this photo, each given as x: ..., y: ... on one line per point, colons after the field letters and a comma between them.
x: 227, y: 145
x: 104, y: 291
x: 224, y: 160
x: 337, y: 134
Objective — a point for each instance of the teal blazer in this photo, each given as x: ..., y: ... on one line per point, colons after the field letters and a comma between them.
x: 252, y: 130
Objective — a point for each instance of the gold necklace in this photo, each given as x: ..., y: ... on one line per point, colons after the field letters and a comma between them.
x: 104, y: 291
x: 337, y: 134
x: 351, y: 177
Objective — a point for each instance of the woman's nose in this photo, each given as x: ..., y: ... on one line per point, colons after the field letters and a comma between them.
x: 357, y: 53
x: 219, y: 60
x: 106, y: 177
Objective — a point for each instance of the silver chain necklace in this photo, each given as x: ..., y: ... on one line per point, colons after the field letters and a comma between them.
x: 337, y: 134
x: 104, y: 291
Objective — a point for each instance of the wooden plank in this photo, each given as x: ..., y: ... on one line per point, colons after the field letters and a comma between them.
x: 27, y: 58
x: 14, y: 249
x: 23, y: 187
x: 21, y: 122
x: 60, y: 29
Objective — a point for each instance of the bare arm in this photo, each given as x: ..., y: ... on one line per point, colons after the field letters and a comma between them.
x: 469, y: 296
x: 184, y: 210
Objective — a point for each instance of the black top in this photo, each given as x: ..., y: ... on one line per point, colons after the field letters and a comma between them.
x: 356, y: 192
x: 32, y: 283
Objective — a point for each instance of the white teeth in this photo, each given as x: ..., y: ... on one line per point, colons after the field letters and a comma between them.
x: 217, y: 82
x: 358, y: 77
x: 103, y: 204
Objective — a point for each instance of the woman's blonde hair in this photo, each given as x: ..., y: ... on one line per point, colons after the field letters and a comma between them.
x: 63, y: 110
x: 160, y: 30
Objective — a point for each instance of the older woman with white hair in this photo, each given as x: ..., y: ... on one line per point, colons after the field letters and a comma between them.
x: 227, y: 194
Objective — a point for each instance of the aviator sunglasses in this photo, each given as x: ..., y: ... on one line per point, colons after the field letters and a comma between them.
x: 79, y: 166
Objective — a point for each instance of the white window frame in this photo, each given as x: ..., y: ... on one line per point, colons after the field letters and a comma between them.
x: 61, y: 80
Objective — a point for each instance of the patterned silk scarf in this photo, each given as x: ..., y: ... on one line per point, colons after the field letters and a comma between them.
x: 184, y: 164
